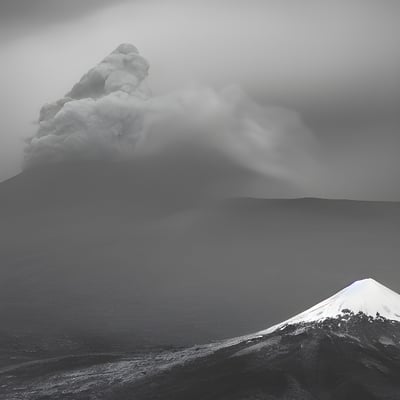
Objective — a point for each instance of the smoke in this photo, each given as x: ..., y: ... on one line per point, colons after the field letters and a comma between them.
x: 110, y: 115
x: 100, y: 117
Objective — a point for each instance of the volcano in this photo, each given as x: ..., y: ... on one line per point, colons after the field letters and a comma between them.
x: 142, y: 225
x: 346, y: 347
x: 124, y: 227
x: 343, y: 348
x: 109, y: 250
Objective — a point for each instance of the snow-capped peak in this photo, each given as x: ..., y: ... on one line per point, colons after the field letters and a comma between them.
x: 366, y: 295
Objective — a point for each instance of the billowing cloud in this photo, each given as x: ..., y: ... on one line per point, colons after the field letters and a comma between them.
x: 100, y: 117
x: 110, y: 115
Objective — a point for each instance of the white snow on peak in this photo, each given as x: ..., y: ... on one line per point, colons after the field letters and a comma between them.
x: 366, y: 295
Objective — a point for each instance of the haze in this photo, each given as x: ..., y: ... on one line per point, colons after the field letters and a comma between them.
x: 336, y: 64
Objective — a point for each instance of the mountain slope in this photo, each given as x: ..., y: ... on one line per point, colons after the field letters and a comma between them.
x: 99, y: 249
x: 347, y: 356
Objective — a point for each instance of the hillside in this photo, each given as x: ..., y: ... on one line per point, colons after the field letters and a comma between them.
x: 100, y: 250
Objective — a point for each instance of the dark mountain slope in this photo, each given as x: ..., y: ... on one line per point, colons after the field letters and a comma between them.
x: 99, y: 250
x: 314, y: 362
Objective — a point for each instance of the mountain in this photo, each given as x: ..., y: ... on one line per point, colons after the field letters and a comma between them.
x: 110, y: 252
x: 342, y: 348
x: 138, y: 219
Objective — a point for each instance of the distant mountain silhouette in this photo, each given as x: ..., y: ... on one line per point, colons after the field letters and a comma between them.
x: 109, y: 249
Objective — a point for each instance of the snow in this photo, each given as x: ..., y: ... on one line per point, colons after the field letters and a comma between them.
x: 366, y: 295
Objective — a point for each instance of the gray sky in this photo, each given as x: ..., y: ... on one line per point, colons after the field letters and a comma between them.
x: 335, y: 62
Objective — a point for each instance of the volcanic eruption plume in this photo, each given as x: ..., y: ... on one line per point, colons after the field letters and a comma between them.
x: 110, y: 115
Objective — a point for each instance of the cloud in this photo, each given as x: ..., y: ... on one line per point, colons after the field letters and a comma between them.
x: 110, y: 115
x: 100, y: 117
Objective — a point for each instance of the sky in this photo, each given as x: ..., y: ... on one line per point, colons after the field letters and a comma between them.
x: 336, y: 64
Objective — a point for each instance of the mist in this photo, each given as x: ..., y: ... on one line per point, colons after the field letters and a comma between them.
x: 333, y: 63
